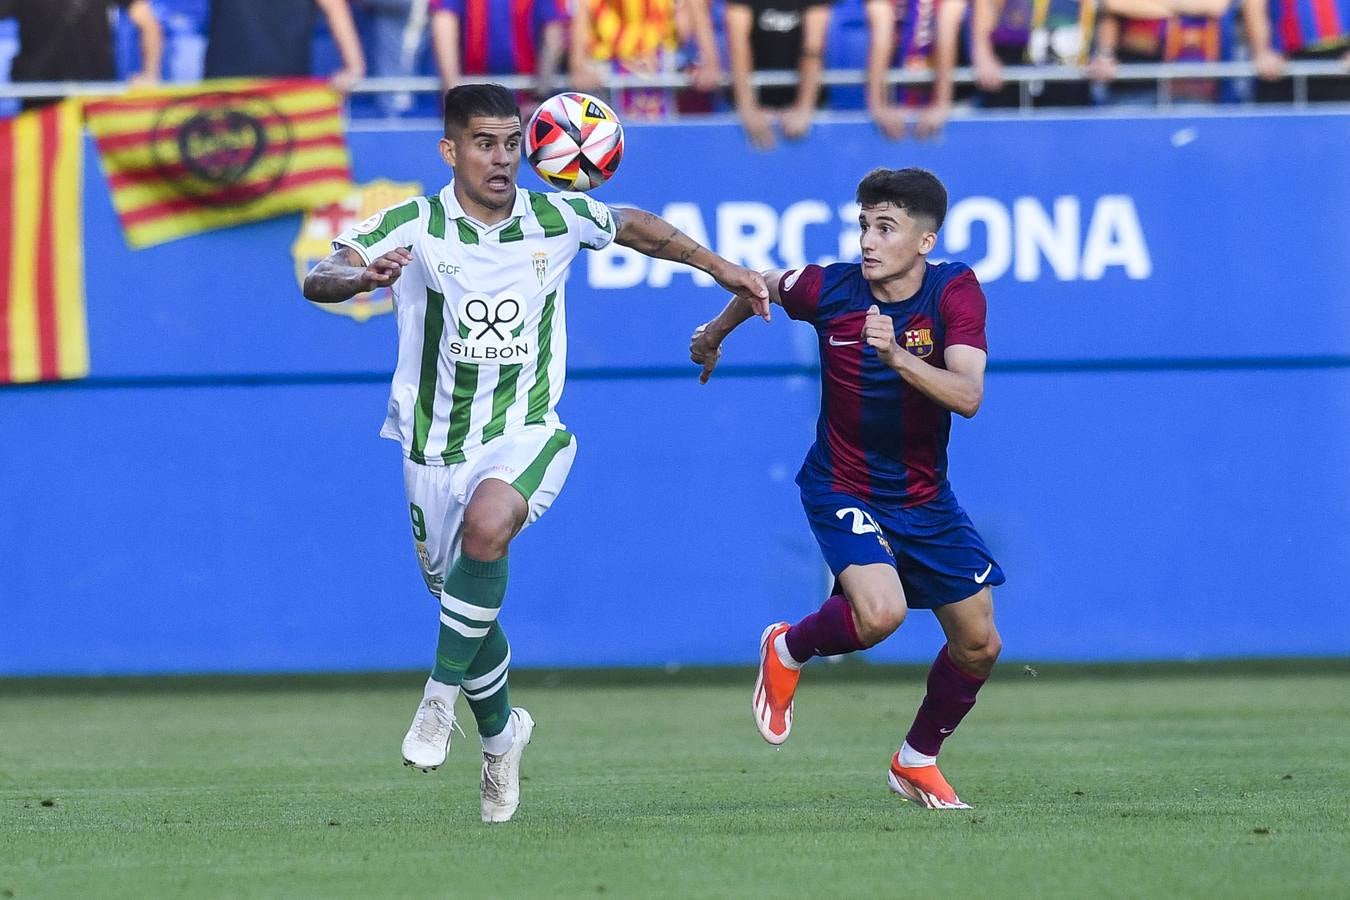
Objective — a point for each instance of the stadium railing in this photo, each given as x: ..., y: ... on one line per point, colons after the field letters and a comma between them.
x: 1026, y: 76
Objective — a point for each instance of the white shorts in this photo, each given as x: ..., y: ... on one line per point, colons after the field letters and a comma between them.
x: 535, y: 461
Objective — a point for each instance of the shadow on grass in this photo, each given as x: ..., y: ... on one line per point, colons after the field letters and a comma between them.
x: 847, y: 670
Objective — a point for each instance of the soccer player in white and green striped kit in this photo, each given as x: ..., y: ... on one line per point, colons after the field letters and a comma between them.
x: 478, y: 274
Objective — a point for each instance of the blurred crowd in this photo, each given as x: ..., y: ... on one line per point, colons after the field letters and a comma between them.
x: 581, y: 43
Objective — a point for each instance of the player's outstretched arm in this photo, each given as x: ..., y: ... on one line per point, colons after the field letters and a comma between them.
x: 654, y: 236
x: 705, y: 345
x: 342, y: 274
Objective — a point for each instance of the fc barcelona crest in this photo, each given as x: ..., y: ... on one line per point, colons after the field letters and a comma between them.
x: 361, y: 206
x: 919, y: 341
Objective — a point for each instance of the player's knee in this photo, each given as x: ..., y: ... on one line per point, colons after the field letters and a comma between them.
x: 488, y: 533
x: 878, y: 621
x: 977, y: 654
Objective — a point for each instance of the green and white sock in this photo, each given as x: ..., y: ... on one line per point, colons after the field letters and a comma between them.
x: 470, y: 602
x: 489, y: 696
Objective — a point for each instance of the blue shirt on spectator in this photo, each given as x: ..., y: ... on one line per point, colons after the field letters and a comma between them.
x: 268, y: 38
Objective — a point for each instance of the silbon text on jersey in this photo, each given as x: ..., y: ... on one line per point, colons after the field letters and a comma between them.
x: 473, y: 352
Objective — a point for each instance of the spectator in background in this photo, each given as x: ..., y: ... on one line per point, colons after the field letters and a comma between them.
x: 914, y: 35
x: 397, y: 36
x: 480, y: 37
x: 1280, y: 30
x: 692, y: 32
x: 1158, y: 31
x: 71, y: 40
x: 1000, y: 31
x: 272, y: 38
x: 772, y: 35
x: 1023, y: 32
x: 622, y: 38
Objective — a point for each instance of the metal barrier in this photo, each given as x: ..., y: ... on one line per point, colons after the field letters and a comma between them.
x: 1164, y: 73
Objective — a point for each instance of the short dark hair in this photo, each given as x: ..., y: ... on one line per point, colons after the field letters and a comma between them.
x: 916, y: 191
x: 465, y: 101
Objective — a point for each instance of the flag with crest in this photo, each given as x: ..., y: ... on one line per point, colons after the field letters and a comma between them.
x: 180, y: 161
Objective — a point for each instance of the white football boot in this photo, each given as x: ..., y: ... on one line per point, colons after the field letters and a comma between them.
x: 427, y: 742
x: 500, y: 780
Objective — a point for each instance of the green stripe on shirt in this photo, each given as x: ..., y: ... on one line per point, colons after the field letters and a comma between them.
x: 392, y: 219
x: 433, y: 326
x: 540, y: 391
x: 436, y: 225
x: 502, y: 399
x: 550, y: 218
x: 461, y: 411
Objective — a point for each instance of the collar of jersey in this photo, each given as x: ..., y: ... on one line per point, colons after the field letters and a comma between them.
x: 454, y: 211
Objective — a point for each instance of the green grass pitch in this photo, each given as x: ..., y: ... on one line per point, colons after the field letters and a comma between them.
x: 1225, y: 781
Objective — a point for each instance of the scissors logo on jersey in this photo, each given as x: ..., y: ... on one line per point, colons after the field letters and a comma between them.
x: 490, y: 329
x: 919, y: 341
x: 479, y: 311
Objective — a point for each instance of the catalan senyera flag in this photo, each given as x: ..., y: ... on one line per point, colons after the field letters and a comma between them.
x: 184, y: 160
x: 42, y: 324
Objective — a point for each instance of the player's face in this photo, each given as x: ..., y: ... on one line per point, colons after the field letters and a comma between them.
x: 892, y: 242
x: 486, y: 158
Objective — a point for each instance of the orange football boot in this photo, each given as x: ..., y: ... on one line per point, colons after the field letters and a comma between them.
x: 924, y: 785
x: 774, y: 687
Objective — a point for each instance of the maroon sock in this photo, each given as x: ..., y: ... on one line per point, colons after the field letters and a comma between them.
x: 828, y: 631
x: 951, y: 694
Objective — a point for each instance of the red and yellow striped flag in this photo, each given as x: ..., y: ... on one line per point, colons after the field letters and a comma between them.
x: 185, y: 160
x: 42, y: 326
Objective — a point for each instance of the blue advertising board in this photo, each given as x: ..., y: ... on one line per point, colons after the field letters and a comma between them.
x: 1159, y: 463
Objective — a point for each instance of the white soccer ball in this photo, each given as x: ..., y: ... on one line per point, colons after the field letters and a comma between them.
x: 574, y: 141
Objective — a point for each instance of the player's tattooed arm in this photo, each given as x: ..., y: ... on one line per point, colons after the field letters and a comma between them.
x: 653, y: 236
x: 343, y: 274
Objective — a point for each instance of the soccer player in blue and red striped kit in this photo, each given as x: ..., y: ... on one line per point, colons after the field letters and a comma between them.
x: 902, y: 347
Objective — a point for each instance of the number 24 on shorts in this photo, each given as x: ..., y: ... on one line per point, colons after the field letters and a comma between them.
x: 863, y: 523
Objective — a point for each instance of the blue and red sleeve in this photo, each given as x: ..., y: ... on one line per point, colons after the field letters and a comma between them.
x: 799, y: 291
x: 963, y: 309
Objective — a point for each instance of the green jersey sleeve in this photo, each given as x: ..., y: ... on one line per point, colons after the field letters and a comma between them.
x: 396, y: 226
x: 594, y: 220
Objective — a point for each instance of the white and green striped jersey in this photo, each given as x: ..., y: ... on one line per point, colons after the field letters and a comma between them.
x: 482, y: 338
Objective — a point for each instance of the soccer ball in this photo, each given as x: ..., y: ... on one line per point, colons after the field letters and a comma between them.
x: 574, y: 141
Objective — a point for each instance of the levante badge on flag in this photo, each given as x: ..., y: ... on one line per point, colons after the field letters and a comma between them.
x: 181, y: 161
x: 42, y: 322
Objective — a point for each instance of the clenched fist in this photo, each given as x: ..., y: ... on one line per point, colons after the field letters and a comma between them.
x: 384, y: 270
x: 879, y: 332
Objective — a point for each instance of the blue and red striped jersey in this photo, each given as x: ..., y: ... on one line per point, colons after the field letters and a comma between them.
x: 499, y: 37
x: 878, y: 438
x: 1310, y: 24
